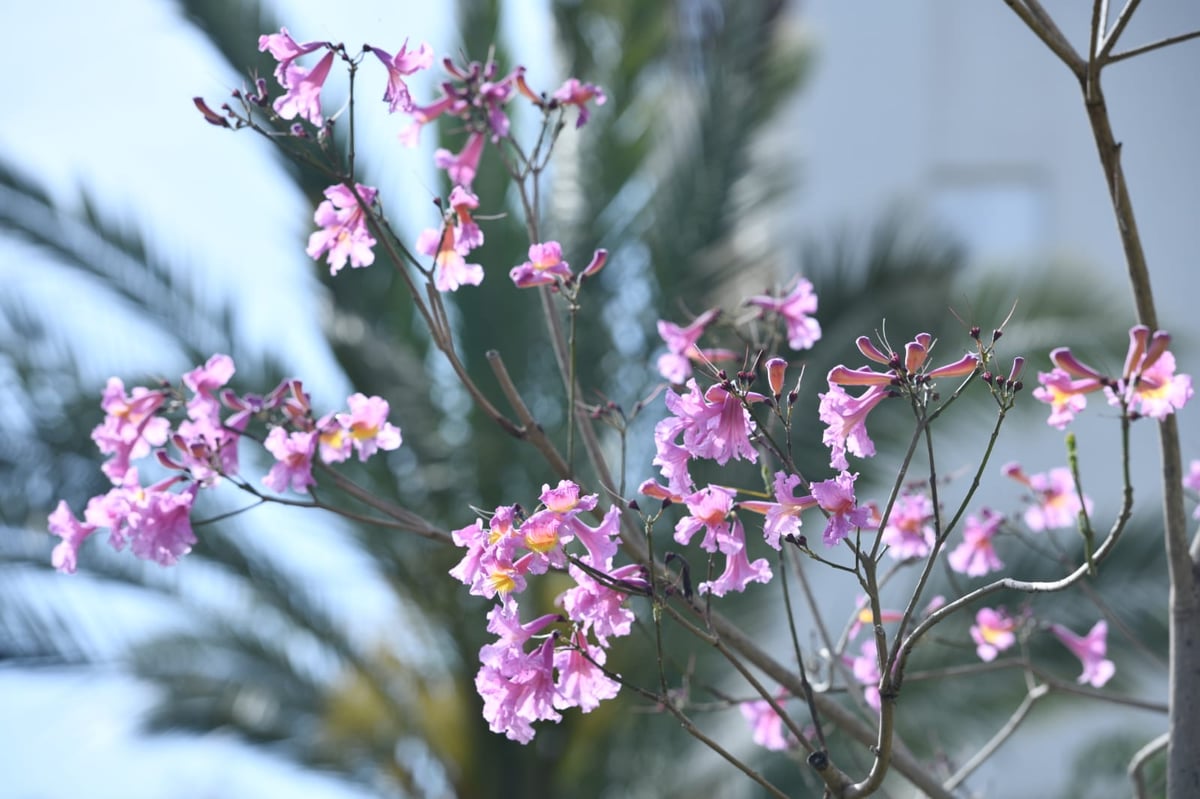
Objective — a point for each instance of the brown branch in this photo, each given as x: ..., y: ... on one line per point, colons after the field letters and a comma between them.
x: 1146, y: 48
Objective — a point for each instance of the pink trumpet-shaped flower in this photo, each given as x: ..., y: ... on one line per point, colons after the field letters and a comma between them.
x: 1090, y: 649
x: 399, y: 66
x: 1056, y: 502
x: 976, y: 556
x: 303, y: 97
x: 343, y: 234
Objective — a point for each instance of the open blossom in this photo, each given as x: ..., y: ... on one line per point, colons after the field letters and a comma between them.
x: 285, y: 50
x: 1090, y: 649
x: 676, y: 364
x: 796, y: 309
x: 367, y: 425
x: 836, y: 497
x: 303, y: 97
x: 767, y: 729
x: 154, y: 521
x: 976, y: 556
x: 581, y: 682
x: 461, y: 166
x: 579, y: 94
x: 713, y: 425
x: 1065, y: 395
x: 908, y: 533
x: 1056, y: 502
x: 739, y: 571
x: 519, y: 691
x: 453, y: 271
x: 708, y: 510
x: 400, y: 65
x: 846, y: 420
x: 293, y: 460
x: 992, y: 632
x: 544, y: 266
x: 343, y: 234
x: 130, y: 428
x: 783, y: 515
x: 597, y: 608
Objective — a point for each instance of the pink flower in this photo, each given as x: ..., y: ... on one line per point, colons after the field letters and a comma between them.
x: 461, y: 167
x: 293, y: 460
x: 1090, y: 649
x: 992, y: 632
x: 708, y: 510
x: 72, y: 531
x: 398, y: 66
x: 975, y: 556
x: 1151, y: 386
x: 303, y: 97
x: 676, y: 364
x: 130, y: 427
x: 1191, y: 481
x: 739, y: 570
x: 783, y: 515
x: 1065, y: 395
x: 766, y: 725
x: 579, y: 94
x: 453, y: 270
x: 713, y: 425
x: 796, y: 309
x: 908, y: 533
x: 865, y: 667
x: 596, y: 607
x: 467, y: 234
x: 544, y: 266
x: 836, y: 497
x: 846, y: 417
x: 154, y: 521
x: 1056, y: 504
x: 519, y: 691
x: 285, y: 50
x: 343, y: 234
x: 601, y: 541
x: 581, y: 682
x: 367, y: 425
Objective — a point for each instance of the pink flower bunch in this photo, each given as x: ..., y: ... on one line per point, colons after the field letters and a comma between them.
x: 520, y: 687
x: 846, y: 415
x: 477, y: 95
x: 189, y: 433
x: 713, y: 425
x: 303, y: 96
x: 1055, y: 504
x: 1148, y: 385
x: 676, y: 364
x: 709, y: 509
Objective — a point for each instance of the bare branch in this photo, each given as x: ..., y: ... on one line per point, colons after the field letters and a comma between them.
x: 1119, y: 28
x: 1002, y: 735
x: 1146, y: 48
x: 1140, y: 758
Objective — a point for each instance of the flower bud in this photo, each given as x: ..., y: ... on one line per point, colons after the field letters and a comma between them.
x: 599, y: 258
x: 776, y: 367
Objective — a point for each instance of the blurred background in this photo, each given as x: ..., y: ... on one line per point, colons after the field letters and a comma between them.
x: 908, y: 158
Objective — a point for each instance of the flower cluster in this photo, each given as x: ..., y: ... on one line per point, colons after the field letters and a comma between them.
x: 561, y: 669
x: 192, y: 435
x: 846, y: 415
x: 1147, y: 386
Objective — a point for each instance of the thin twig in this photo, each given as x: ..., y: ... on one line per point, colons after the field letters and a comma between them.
x: 1002, y: 735
x: 1146, y: 48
